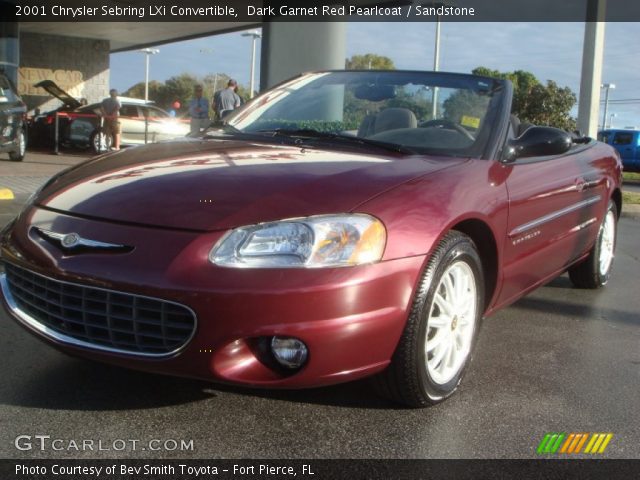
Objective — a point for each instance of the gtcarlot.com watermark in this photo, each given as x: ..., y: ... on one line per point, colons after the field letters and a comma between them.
x: 47, y: 443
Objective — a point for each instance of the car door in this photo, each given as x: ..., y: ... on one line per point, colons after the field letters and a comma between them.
x: 626, y: 144
x: 162, y: 126
x: 11, y: 112
x: 554, y: 205
x: 132, y: 125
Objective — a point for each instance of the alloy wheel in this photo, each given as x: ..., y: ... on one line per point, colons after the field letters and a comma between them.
x: 451, y: 323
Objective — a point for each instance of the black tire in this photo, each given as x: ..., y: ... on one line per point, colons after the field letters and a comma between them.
x: 588, y: 273
x: 99, y: 146
x: 407, y: 380
x: 21, y: 147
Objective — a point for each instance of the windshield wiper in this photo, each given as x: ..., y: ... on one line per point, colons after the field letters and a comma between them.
x: 309, y: 133
x: 225, y: 128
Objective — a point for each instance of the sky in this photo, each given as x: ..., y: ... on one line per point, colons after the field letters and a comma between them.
x: 551, y: 51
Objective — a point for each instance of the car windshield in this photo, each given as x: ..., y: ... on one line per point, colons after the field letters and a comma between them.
x: 439, y: 113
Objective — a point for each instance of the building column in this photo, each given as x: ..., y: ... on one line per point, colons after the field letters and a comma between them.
x: 591, y: 79
x: 290, y: 48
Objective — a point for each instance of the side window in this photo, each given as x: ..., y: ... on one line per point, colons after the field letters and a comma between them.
x: 603, y: 137
x: 6, y: 91
x: 156, y: 112
x: 129, y: 111
x: 623, y: 138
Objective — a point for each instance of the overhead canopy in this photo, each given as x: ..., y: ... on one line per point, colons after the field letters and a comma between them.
x: 129, y: 35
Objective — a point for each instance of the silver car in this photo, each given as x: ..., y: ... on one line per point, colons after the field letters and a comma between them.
x: 141, y: 122
x: 81, y: 126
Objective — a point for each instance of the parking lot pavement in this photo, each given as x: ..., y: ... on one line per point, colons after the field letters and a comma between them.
x: 559, y: 360
x: 24, y: 178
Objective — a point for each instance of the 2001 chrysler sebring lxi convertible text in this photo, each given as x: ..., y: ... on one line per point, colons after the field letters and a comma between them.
x: 338, y: 226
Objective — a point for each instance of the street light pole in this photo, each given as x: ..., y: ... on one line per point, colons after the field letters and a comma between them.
x: 255, y: 35
x: 147, y: 52
x: 208, y: 51
x: 436, y: 53
x: 436, y: 67
x: 608, y: 86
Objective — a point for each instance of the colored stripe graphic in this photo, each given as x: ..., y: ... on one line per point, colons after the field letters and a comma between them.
x: 581, y: 443
x: 550, y: 443
x: 543, y: 443
x: 598, y: 443
x: 572, y: 443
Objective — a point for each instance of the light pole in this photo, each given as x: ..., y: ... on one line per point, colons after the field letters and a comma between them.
x: 208, y: 51
x: 436, y: 54
x: 436, y: 67
x: 255, y: 35
x: 148, y: 52
x: 608, y: 86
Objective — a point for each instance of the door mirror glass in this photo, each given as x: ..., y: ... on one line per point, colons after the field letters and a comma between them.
x: 538, y: 142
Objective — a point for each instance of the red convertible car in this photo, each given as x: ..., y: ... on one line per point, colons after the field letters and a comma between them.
x: 339, y: 226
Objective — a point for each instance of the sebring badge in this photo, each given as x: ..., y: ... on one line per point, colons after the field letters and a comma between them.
x: 70, y: 241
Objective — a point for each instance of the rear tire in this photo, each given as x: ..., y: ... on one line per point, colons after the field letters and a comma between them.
x: 436, y: 345
x: 18, y: 155
x: 595, y: 270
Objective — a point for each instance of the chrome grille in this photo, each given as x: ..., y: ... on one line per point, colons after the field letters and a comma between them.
x: 109, y: 320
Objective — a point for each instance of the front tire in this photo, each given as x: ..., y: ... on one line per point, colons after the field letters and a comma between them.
x: 436, y: 345
x: 595, y: 271
x: 100, y: 141
x: 20, y: 152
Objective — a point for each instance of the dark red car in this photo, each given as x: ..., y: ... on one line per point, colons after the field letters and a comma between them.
x: 339, y: 226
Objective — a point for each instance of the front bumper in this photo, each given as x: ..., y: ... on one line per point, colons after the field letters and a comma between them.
x: 350, y: 318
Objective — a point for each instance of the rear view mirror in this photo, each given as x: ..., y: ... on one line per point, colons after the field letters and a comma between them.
x: 375, y: 93
x: 538, y: 142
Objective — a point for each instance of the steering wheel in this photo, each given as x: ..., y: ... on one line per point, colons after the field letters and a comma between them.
x: 442, y: 122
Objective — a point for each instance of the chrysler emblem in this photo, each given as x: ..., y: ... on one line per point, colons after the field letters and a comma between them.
x: 70, y: 240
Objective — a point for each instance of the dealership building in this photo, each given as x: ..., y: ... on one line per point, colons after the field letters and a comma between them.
x: 76, y: 55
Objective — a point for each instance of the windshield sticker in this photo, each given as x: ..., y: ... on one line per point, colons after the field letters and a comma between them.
x: 472, y: 122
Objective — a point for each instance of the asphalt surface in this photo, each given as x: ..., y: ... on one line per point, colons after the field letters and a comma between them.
x: 559, y: 360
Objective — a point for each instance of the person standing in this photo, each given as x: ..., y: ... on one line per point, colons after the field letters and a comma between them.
x: 199, y: 111
x: 227, y: 99
x: 110, y: 108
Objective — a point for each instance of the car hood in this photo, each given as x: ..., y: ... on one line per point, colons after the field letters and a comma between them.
x: 51, y: 87
x: 219, y: 184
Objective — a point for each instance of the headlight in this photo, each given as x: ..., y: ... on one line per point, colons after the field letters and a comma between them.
x: 322, y: 241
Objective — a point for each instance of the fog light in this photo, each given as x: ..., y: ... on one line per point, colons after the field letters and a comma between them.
x: 289, y: 352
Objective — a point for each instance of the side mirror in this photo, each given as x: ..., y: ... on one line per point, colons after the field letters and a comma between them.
x: 538, y: 142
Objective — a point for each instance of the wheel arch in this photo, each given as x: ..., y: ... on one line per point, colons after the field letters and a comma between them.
x: 485, y: 241
x: 616, y: 196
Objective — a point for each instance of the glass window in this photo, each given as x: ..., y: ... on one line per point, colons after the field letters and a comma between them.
x: 426, y: 112
x: 6, y: 90
x: 129, y: 111
x: 154, y: 112
x: 623, y: 138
